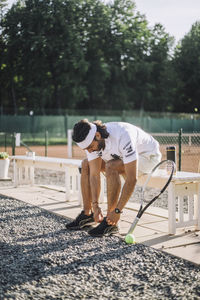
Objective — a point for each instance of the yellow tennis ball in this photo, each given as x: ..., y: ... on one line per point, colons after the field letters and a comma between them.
x: 130, y: 239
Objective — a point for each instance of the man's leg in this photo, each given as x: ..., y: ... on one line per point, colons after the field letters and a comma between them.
x: 85, y: 186
x: 113, y: 170
x: 85, y: 218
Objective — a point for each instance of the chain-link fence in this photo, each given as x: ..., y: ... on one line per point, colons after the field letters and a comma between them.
x: 6, y: 141
x: 59, y: 124
x: 187, y: 145
x: 187, y: 149
x: 11, y: 142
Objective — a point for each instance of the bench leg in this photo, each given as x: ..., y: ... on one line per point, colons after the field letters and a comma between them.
x: 15, y: 169
x: 197, y: 207
x: 26, y: 175
x: 172, y: 208
x: 20, y: 174
x: 67, y: 184
x: 80, y: 198
x: 32, y: 175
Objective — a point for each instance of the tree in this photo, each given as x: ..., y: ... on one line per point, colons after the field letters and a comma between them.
x: 62, y: 54
x: 3, y: 4
x: 159, y: 70
x: 94, y: 25
x: 3, y: 79
x: 44, y: 53
x: 129, y: 34
x: 139, y: 60
x: 186, y: 64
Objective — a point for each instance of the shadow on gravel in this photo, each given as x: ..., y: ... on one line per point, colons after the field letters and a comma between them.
x: 34, y: 244
x: 37, y: 257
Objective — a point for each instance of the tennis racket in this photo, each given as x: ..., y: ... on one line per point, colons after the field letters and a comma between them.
x: 164, y: 171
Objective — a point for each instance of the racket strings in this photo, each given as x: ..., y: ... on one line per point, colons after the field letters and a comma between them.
x: 156, y: 181
x: 163, y: 178
x: 149, y: 194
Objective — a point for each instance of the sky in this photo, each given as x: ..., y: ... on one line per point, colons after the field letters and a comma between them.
x: 177, y: 16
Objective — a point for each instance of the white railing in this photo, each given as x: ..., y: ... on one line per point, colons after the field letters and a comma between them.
x: 184, y: 135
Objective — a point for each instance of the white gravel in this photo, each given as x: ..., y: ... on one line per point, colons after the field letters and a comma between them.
x: 40, y: 259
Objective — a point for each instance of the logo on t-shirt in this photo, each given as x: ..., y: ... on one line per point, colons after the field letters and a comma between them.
x: 129, y: 149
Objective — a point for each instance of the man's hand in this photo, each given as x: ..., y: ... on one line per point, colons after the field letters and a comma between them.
x: 112, y: 218
x: 98, y: 216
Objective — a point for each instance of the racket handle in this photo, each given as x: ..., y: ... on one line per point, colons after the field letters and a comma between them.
x: 133, y: 225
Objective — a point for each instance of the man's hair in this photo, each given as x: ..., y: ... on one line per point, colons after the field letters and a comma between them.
x: 101, y: 128
x: 82, y: 128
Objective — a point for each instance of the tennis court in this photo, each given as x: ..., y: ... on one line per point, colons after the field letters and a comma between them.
x: 189, y: 159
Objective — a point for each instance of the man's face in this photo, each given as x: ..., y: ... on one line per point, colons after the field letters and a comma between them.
x: 97, y: 144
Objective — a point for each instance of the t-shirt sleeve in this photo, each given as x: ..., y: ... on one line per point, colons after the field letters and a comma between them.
x: 92, y: 155
x: 127, y: 148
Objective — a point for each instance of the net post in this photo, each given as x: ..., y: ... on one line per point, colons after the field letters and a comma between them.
x: 46, y: 143
x: 69, y: 143
x: 171, y: 209
x: 5, y: 140
x: 180, y: 146
x: 13, y: 144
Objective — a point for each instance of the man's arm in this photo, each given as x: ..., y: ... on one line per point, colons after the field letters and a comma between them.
x: 127, y: 190
x: 95, y: 185
x: 129, y: 185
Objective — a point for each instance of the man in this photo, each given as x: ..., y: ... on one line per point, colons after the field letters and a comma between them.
x: 114, y: 148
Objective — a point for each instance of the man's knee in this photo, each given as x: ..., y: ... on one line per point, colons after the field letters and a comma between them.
x: 115, y: 166
x: 110, y: 168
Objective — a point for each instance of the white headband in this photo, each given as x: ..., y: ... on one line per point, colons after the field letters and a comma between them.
x: 89, y: 138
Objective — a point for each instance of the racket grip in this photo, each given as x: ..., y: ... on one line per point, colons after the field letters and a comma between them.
x: 133, y: 225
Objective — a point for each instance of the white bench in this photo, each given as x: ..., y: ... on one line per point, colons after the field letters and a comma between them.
x: 184, y: 187
x: 24, y: 173
x: 183, y: 184
x: 183, y: 192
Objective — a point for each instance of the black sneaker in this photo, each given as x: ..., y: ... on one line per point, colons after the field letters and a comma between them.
x: 103, y: 229
x: 81, y: 221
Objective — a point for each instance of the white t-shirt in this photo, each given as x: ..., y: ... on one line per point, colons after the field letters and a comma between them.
x: 126, y: 142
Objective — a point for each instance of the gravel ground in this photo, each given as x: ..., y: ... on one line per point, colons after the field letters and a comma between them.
x: 42, y: 260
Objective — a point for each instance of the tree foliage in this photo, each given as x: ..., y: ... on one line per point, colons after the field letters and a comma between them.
x: 187, y: 67
x: 84, y: 54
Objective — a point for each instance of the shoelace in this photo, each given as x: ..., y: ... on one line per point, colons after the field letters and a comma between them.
x: 80, y: 216
x: 103, y: 223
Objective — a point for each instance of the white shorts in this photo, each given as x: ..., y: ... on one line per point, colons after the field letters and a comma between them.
x: 147, y: 161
